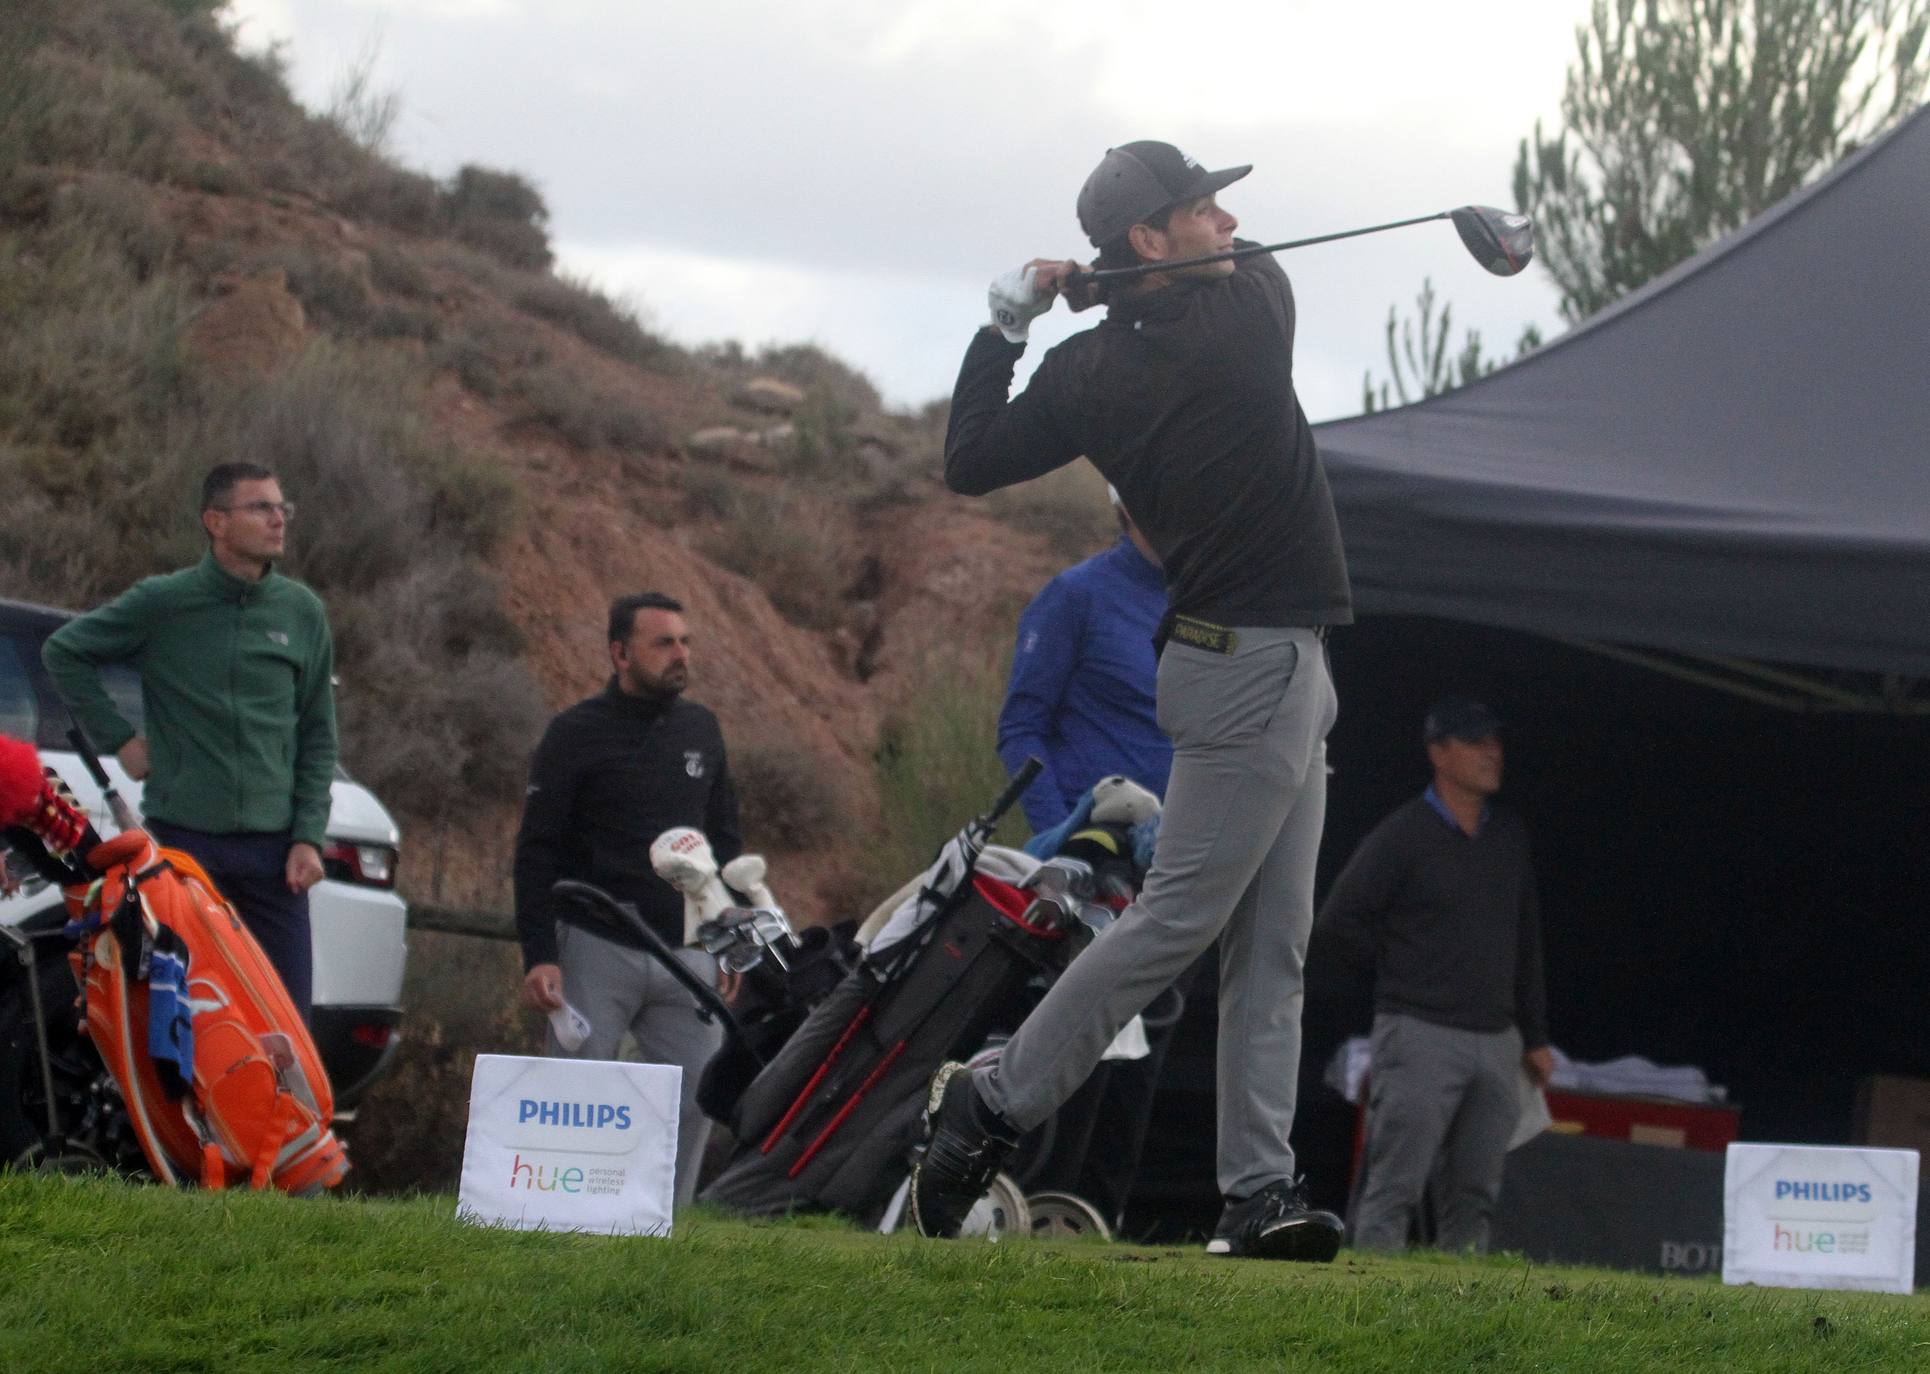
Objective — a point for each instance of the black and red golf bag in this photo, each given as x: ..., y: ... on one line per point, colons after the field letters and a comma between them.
x: 829, y: 1123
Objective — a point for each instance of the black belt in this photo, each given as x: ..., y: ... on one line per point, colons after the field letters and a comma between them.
x: 1204, y: 634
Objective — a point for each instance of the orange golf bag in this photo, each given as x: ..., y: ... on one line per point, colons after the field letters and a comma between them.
x: 219, y: 1073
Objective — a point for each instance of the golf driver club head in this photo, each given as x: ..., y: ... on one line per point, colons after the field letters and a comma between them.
x: 1500, y: 240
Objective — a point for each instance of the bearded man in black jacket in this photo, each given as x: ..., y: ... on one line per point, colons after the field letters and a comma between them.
x: 611, y: 774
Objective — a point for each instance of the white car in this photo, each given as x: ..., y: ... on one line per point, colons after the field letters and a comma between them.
x: 358, y: 921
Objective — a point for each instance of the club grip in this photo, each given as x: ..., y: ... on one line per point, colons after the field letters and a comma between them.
x: 90, y: 760
x: 117, y: 806
x: 1021, y: 780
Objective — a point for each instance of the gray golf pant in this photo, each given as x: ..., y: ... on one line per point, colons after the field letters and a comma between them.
x: 1235, y: 860
x: 618, y: 988
x: 1442, y: 1107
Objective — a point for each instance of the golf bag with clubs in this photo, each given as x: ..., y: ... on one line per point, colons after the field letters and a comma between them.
x: 829, y: 1124
x: 216, y: 1071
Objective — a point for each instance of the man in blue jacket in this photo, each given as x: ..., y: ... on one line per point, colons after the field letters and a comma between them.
x: 1080, y: 698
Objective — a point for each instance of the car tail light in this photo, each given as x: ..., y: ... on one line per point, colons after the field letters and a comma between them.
x: 373, y: 1034
x: 371, y: 865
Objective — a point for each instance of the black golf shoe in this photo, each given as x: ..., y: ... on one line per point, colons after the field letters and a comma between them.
x: 1278, y: 1222
x: 965, y: 1143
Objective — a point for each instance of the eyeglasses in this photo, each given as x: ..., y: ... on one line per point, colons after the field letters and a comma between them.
x: 264, y: 509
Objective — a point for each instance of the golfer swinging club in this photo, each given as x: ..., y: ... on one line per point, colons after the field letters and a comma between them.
x: 1183, y: 397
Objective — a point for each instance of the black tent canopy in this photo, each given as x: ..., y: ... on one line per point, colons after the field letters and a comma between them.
x: 1727, y: 477
x: 1727, y: 471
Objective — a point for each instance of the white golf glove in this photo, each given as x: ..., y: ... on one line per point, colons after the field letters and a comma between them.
x: 1016, y: 302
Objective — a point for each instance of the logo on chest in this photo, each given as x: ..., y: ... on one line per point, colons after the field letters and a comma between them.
x: 694, y: 762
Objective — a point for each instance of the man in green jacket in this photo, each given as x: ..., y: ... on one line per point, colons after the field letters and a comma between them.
x: 238, y: 751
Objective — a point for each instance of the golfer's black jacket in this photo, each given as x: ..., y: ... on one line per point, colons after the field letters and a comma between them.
x: 610, y: 775
x: 1184, y: 399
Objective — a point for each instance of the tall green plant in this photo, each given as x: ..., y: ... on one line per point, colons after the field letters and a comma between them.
x: 1682, y: 119
x: 938, y: 763
x: 1421, y: 362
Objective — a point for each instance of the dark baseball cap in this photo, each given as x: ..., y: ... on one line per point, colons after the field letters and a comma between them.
x: 1135, y: 181
x: 1459, y: 718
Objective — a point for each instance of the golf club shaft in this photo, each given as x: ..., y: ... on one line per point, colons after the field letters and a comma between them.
x: 1233, y: 254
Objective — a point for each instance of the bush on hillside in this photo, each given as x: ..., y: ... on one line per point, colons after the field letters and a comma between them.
x: 616, y: 328
x: 588, y: 415
x: 776, y: 541
x: 1068, y: 508
x: 390, y: 195
x: 788, y: 799
x: 330, y: 292
x: 824, y: 447
x: 501, y: 213
x: 938, y: 763
x: 398, y: 272
x: 813, y: 368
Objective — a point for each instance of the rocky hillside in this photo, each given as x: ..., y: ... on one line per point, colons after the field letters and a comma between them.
x: 194, y: 268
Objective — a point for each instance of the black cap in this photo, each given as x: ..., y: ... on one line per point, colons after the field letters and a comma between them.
x: 1135, y: 181
x: 1459, y: 718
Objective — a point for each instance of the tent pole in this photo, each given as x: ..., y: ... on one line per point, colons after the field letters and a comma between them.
x: 1802, y: 694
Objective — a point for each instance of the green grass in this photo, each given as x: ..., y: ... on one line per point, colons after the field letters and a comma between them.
x: 97, y: 1275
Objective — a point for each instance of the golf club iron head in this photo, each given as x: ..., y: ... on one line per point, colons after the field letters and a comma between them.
x: 1059, y: 887
x: 1096, y: 916
x: 740, y: 937
x: 1500, y: 240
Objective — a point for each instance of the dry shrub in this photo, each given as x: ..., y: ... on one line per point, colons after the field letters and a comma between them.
x: 938, y: 763
x: 330, y: 292
x: 396, y: 271
x: 500, y: 213
x: 474, y: 498
x: 814, y: 369
x: 587, y: 414
x: 824, y: 448
x: 787, y: 551
x: 91, y: 373
x: 435, y: 733
x: 1068, y: 508
x: 403, y: 322
x: 788, y: 799
x: 473, y: 365
x: 710, y: 493
x: 340, y: 426
x: 478, y: 269
x: 460, y: 991
x: 613, y: 326
x: 374, y: 190
x: 125, y: 210
x: 102, y: 116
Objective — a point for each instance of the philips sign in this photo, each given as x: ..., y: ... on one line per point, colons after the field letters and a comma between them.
x: 584, y: 1115
x: 571, y: 1144
x: 1816, y: 1217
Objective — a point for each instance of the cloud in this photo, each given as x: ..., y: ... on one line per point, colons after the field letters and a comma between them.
x: 855, y: 170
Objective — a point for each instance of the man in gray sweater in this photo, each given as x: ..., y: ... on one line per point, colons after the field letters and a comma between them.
x: 1440, y: 901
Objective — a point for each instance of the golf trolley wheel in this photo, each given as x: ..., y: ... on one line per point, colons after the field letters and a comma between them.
x: 1002, y: 1212
x: 1056, y: 1216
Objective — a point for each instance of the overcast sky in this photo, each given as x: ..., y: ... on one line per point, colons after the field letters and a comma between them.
x: 853, y: 172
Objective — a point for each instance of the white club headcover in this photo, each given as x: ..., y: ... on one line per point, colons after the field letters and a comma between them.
x: 1121, y: 801
x: 745, y: 874
x: 682, y: 858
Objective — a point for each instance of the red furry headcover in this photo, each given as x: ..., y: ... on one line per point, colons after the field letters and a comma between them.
x: 21, y: 781
x: 33, y: 797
